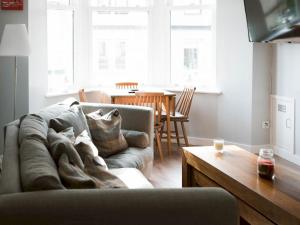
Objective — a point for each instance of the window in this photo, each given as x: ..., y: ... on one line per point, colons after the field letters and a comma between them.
x: 120, y: 45
x: 192, y: 43
x: 60, y: 21
x: 160, y: 42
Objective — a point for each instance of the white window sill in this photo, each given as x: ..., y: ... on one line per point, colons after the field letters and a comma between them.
x: 209, y: 91
x: 60, y: 94
x: 213, y: 91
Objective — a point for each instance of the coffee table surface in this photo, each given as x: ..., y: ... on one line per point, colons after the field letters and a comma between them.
x: 239, y: 167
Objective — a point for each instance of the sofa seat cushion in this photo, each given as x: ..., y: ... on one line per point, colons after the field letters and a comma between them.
x: 130, y: 158
x: 132, y: 178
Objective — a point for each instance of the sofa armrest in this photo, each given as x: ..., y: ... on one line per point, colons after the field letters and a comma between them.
x: 133, y: 117
x: 10, y: 177
x: 195, y: 206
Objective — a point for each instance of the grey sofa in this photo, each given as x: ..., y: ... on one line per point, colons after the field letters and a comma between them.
x: 207, y: 206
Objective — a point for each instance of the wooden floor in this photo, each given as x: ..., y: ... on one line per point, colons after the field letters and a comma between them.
x: 167, y: 174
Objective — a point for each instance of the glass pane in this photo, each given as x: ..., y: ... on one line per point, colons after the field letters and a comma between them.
x: 60, y: 50
x: 120, y: 47
x: 191, y: 47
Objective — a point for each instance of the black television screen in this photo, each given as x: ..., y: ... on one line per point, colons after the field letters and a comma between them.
x: 271, y: 19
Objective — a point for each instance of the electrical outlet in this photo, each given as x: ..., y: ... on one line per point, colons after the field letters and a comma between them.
x: 266, y: 124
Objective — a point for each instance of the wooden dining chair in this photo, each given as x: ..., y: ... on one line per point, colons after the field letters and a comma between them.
x: 82, y: 95
x: 93, y: 96
x: 182, y: 110
x: 127, y: 85
x: 154, y: 100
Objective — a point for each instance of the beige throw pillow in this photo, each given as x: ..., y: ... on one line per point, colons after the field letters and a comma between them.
x: 106, y: 132
x: 136, y: 138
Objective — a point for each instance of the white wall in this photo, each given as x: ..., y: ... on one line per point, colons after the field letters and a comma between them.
x: 234, y: 72
x: 203, y: 117
x: 286, y: 80
x: 7, y: 72
x: 38, y: 81
x: 261, y: 90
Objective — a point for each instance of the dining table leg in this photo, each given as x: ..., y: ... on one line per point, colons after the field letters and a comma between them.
x: 168, y: 125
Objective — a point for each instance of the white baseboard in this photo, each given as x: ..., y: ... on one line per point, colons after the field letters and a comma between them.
x: 286, y: 155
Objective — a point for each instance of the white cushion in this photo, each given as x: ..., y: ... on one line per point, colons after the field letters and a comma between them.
x: 132, y: 177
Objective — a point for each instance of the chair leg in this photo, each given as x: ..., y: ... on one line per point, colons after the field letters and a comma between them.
x: 162, y: 129
x: 158, y: 141
x: 177, y: 135
x: 184, y: 134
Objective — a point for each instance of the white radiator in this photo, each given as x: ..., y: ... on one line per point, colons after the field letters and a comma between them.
x: 282, y: 133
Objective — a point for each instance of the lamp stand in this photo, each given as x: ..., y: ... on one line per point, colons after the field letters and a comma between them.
x: 15, y: 86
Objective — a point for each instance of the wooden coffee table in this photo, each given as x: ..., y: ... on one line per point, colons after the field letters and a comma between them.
x: 260, y: 201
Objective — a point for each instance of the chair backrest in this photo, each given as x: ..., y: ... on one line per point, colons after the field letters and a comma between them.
x: 127, y: 85
x: 125, y: 100
x: 151, y: 99
x: 82, y: 96
x: 184, y: 103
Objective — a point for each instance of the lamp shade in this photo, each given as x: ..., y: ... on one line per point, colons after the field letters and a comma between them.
x: 15, y: 41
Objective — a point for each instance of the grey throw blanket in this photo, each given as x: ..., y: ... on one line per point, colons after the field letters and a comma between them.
x: 92, y: 176
x: 75, y: 176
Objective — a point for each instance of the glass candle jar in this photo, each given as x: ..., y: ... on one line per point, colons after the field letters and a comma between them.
x: 266, y: 164
x: 219, y: 144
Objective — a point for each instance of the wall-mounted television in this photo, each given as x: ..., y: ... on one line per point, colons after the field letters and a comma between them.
x: 269, y: 20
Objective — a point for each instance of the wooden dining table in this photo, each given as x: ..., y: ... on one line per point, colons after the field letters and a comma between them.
x: 119, y: 96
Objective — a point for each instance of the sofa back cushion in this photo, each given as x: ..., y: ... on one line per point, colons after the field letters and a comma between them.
x: 106, y: 132
x: 38, y: 170
x: 33, y: 127
x: 73, y: 117
x: 56, y: 110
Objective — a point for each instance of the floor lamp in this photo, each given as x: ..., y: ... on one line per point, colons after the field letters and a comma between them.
x: 15, y: 42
